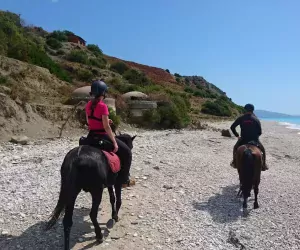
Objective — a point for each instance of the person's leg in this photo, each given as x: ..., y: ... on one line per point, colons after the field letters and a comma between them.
x: 265, y: 167
x: 125, y: 156
x: 238, y: 143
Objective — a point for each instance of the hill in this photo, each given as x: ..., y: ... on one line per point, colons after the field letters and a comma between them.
x: 270, y: 114
x: 69, y: 65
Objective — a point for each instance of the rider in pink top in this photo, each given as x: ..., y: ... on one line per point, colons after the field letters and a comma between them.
x: 99, y: 127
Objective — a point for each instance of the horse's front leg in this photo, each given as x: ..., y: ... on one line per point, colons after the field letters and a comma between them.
x: 112, y: 198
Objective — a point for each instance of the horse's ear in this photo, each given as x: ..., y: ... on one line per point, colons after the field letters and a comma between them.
x: 132, y: 138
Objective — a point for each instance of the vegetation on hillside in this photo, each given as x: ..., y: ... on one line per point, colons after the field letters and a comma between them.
x: 178, y: 96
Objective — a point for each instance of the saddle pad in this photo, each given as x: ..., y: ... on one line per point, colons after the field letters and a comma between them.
x: 113, y: 160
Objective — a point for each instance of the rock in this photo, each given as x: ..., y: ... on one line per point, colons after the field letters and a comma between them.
x: 115, y: 237
x: 167, y: 187
x: 23, y: 140
x: 134, y: 223
x: 225, y: 133
x: 4, y: 232
x: 156, y: 168
x: 80, y: 239
x: 135, y: 235
x: 5, y: 90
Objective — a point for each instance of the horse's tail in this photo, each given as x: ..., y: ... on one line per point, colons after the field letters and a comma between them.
x: 68, y: 179
x: 248, y: 171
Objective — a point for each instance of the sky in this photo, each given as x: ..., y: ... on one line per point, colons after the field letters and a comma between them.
x: 249, y: 49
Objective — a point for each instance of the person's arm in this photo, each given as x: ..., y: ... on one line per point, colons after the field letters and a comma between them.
x: 234, y: 125
x: 109, y: 132
x: 259, y: 127
x: 87, y: 118
x: 107, y: 128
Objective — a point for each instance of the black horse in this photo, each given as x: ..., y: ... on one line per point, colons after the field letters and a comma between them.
x: 86, y: 168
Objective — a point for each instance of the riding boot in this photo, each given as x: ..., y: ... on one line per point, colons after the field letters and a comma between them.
x: 233, y: 163
x: 264, y: 166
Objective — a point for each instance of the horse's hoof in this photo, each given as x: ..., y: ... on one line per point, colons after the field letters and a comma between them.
x: 115, y: 218
x: 256, y: 206
x: 99, y: 240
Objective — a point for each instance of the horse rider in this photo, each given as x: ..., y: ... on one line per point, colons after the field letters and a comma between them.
x: 99, y: 126
x: 250, y: 131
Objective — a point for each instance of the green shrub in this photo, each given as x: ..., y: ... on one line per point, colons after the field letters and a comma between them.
x: 78, y: 56
x: 177, y: 75
x: 85, y: 75
x: 59, y: 35
x: 217, y: 108
x: 68, y: 33
x: 3, y: 80
x: 53, y: 43
x: 95, y: 50
x: 60, y: 52
x: 199, y: 93
x: 98, y: 62
x: 168, y: 71
x: 189, y: 90
x: 119, y: 67
x: 15, y: 42
x: 136, y: 77
x: 151, y: 118
x: 151, y: 89
x: 114, y: 117
x: 169, y: 114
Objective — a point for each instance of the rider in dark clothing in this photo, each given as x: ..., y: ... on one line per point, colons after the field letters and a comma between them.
x: 250, y: 131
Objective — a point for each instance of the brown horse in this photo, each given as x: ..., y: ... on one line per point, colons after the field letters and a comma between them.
x: 249, y: 161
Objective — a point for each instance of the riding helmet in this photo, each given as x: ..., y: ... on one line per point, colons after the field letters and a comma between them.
x: 98, y: 88
x: 249, y: 107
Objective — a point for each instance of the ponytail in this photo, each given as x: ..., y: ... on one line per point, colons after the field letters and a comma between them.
x: 95, y: 101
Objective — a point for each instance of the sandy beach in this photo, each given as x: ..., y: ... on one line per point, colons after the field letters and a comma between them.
x: 185, y: 196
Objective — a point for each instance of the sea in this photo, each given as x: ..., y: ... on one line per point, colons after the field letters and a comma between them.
x: 288, y: 122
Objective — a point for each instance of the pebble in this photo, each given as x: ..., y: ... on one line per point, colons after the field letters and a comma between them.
x: 201, y: 201
x: 167, y: 187
x: 4, y: 232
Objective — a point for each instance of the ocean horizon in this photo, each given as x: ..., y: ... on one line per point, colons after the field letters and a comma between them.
x: 288, y: 122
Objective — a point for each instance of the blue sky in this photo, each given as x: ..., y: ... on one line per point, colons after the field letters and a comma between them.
x: 250, y: 49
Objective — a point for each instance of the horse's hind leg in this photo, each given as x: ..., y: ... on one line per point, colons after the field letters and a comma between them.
x: 96, y: 197
x: 112, y: 198
x: 67, y: 221
x: 118, y: 191
x: 256, y: 194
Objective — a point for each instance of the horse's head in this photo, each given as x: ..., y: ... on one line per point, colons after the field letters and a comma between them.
x: 127, y: 139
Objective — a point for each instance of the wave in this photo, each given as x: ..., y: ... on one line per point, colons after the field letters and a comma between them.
x: 290, y: 125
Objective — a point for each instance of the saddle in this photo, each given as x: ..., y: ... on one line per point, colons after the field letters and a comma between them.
x: 256, y: 144
x: 106, y: 147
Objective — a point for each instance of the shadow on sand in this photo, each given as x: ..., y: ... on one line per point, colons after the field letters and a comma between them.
x: 36, y: 238
x: 224, y: 207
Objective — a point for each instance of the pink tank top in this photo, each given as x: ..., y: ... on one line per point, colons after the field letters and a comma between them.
x: 95, y: 117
